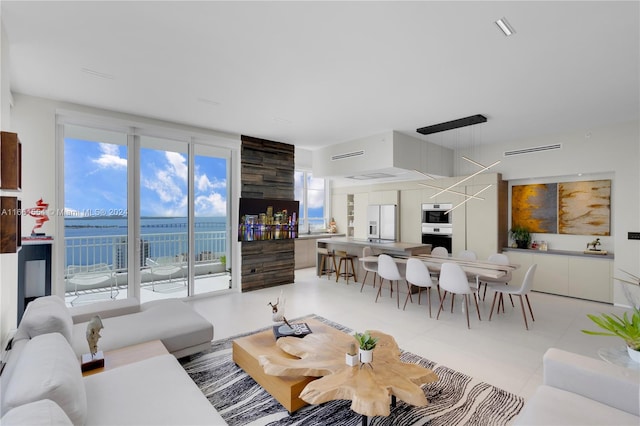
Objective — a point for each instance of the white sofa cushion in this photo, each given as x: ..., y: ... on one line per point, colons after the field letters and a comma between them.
x: 47, y: 314
x: 552, y: 406
x: 155, y: 391
x: 172, y: 321
x: 48, y: 369
x: 39, y: 413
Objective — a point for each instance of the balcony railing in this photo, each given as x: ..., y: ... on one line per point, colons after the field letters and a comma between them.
x: 84, y: 254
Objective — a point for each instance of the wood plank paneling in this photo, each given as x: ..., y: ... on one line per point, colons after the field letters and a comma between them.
x: 267, y: 172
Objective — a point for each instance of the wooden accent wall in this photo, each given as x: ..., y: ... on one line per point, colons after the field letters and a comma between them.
x: 267, y: 171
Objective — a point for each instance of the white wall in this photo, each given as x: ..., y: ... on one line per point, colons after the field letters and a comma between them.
x: 34, y: 119
x: 611, y: 152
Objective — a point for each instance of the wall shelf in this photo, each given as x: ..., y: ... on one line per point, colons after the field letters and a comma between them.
x: 10, y: 162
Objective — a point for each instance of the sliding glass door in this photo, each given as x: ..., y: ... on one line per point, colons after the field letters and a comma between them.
x: 144, y: 216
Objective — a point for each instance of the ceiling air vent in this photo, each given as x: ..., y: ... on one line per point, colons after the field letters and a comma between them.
x: 533, y: 149
x: 347, y: 155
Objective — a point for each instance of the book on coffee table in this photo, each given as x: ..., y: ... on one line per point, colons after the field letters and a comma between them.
x: 296, y: 330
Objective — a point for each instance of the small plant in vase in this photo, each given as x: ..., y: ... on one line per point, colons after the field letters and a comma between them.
x: 521, y: 236
x: 367, y: 344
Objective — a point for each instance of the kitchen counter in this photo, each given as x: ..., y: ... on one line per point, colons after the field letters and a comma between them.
x: 318, y: 236
x: 609, y: 255
x: 355, y: 245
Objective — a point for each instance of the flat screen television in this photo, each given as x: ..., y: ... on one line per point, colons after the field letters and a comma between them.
x: 267, y: 219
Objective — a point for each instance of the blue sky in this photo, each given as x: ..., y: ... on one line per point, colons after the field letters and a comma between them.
x: 96, y: 181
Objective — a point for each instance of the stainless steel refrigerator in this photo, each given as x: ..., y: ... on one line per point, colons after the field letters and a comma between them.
x: 383, y: 222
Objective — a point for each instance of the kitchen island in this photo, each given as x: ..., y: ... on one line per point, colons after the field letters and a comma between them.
x: 355, y: 245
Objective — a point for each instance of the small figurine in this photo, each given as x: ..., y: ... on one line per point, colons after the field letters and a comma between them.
x: 594, y: 244
x: 93, y: 334
x: 278, y: 314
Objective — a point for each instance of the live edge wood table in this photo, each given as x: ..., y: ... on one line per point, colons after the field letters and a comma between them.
x: 293, y: 362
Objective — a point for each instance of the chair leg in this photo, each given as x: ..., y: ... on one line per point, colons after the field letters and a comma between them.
x: 409, y: 294
x: 428, y: 299
x: 379, y: 290
x: 441, y: 302
x: 475, y: 299
x: 353, y: 269
x: 512, y: 305
x: 484, y: 295
x: 407, y: 299
x: 526, y: 296
x: 523, y: 313
x: 466, y: 305
x: 453, y: 297
x: 495, y: 296
x: 365, y: 280
x: 398, y: 293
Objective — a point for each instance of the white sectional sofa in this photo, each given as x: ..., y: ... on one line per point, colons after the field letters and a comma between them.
x: 578, y: 390
x: 42, y: 383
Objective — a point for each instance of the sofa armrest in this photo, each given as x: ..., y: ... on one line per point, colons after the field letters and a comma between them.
x: 105, y: 309
x: 613, y: 385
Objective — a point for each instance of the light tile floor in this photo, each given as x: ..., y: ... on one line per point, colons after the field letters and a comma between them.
x: 500, y: 351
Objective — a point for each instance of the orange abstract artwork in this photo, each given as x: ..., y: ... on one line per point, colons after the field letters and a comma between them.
x: 535, y: 207
x: 584, y: 207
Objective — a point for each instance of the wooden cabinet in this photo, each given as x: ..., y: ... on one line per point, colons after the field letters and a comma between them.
x: 10, y: 162
x: 305, y: 252
x: 10, y: 224
x: 591, y: 278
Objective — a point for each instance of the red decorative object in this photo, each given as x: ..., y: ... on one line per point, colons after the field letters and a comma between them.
x: 39, y: 213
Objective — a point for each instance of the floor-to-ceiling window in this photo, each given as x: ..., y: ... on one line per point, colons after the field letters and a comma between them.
x: 310, y: 192
x: 145, y: 216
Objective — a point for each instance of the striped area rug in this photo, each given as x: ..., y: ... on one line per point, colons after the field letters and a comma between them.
x: 455, y: 399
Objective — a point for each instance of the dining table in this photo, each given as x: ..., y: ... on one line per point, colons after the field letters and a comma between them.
x: 473, y: 267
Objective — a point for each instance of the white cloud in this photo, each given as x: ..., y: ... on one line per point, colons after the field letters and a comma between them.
x: 203, y: 183
x: 315, y: 199
x: 110, y: 157
x: 177, y: 164
x: 213, y: 204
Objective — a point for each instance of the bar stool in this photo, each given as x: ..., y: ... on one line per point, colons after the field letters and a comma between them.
x: 346, y: 259
x: 325, y: 255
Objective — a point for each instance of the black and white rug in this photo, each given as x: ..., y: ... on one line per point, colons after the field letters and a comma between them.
x: 455, y: 399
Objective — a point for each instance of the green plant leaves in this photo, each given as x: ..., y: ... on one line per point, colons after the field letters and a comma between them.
x: 626, y: 327
x: 366, y: 341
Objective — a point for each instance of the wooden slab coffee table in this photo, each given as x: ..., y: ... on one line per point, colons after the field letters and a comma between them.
x: 286, y: 389
x: 371, y: 388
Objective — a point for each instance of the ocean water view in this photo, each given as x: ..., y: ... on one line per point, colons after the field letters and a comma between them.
x: 92, y: 241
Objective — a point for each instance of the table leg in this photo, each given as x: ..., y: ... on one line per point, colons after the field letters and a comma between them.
x: 393, y: 400
x: 365, y: 420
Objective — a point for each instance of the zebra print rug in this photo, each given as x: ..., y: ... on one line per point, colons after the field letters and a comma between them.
x: 455, y: 399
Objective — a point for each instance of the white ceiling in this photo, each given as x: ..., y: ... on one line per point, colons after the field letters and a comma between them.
x: 319, y: 73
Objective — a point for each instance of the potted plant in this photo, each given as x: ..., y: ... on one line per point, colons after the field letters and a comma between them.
x: 520, y: 235
x: 367, y: 344
x: 626, y: 327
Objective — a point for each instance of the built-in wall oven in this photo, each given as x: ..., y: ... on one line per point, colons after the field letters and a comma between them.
x: 437, y: 226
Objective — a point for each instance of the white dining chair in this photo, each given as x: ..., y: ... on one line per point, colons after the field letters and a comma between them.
x: 440, y: 252
x: 523, y: 290
x: 468, y: 254
x: 369, y: 267
x: 417, y: 274
x: 499, y: 259
x: 454, y: 280
x: 388, y: 270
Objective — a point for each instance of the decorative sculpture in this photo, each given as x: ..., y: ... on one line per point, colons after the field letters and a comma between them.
x: 594, y: 244
x: 94, y: 359
x: 93, y: 334
x: 277, y: 315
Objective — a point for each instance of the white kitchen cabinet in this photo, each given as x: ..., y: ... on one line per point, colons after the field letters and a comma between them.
x: 590, y: 278
x: 566, y: 274
x: 360, y: 204
x: 339, y: 211
x: 383, y: 197
x: 411, y: 216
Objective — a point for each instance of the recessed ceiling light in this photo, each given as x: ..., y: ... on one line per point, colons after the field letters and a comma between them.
x: 505, y: 27
x: 98, y: 73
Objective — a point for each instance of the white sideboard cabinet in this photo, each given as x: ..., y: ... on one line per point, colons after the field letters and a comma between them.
x: 566, y: 273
